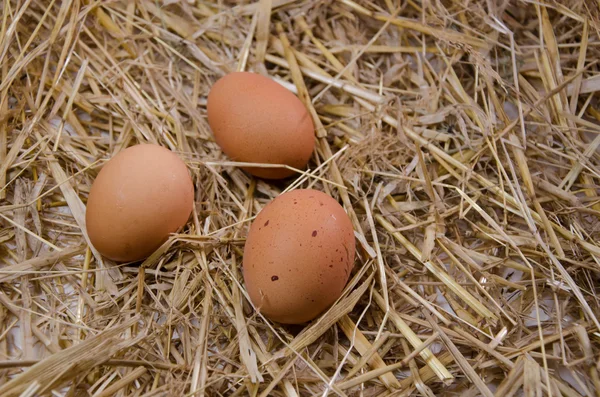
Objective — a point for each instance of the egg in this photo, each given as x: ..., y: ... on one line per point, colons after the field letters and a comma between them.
x: 256, y: 120
x: 140, y: 196
x: 298, y: 256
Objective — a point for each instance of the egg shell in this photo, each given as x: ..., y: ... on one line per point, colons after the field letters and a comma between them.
x: 140, y: 196
x: 256, y: 120
x: 298, y: 256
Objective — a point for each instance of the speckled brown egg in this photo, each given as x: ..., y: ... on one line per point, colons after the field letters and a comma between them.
x: 140, y: 196
x: 256, y: 120
x: 298, y: 256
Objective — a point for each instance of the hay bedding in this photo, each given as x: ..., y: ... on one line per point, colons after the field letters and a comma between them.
x: 461, y: 136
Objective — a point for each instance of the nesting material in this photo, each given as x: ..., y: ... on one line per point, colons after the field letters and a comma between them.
x: 460, y: 136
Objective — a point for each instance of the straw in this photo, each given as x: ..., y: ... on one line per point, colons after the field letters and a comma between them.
x: 461, y: 137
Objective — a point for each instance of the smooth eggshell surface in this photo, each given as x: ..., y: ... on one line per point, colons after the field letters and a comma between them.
x: 298, y: 256
x: 140, y: 196
x: 256, y: 120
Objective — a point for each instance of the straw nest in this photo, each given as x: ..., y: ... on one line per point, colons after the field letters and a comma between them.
x: 460, y: 135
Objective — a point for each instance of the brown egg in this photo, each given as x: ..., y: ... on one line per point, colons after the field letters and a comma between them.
x: 140, y: 196
x: 256, y: 120
x: 298, y: 256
